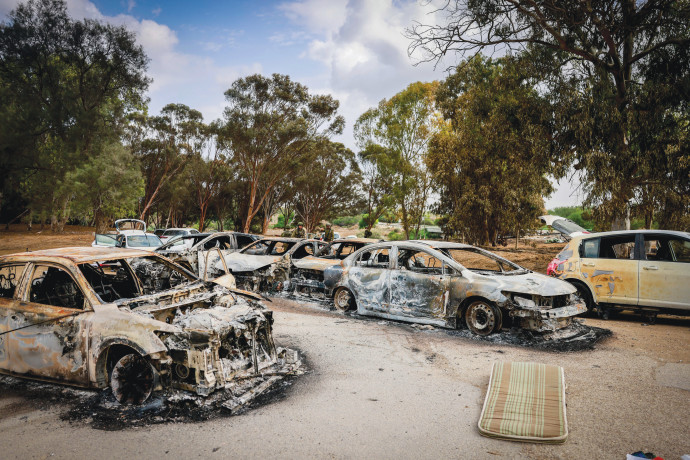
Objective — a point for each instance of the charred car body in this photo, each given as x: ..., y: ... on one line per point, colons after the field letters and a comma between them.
x: 192, y: 251
x: 306, y: 275
x: 443, y: 283
x: 128, y: 319
x: 265, y: 265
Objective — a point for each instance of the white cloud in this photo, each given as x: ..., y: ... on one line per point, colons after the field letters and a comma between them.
x: 130, y: 5
x: 156, y: 11
x: 363, y: 50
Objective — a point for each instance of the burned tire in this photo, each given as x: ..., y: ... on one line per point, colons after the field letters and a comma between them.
x: 343, y: 299
x: 132, y: 379
x: 483, y: 318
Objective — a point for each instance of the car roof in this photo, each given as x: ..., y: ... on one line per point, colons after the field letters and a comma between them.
x: 628, y: 232
x: 443, y: 244
x: 180, y: 228
x: 357, y: 240
x: 77, y: 255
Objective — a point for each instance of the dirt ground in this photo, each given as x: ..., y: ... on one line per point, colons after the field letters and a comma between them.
x: 382, y: 389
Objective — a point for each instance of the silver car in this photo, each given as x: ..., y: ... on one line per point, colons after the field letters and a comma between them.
x: 446, y: 284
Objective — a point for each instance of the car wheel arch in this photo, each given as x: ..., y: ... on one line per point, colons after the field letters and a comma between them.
x: 110, y: 351
x: 590, y: 301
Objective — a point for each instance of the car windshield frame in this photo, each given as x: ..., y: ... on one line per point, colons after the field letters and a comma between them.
x: 270, y: 245
x: 500, y: 261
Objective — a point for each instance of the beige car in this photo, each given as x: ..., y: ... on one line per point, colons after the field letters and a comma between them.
x: 645, y: 270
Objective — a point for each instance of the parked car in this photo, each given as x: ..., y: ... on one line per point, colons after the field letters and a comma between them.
x: 147, y: 241
x: 445, y: 284
x: 644, y: 270
x: 173, y: 232
x: 129, y: 233
x: 265, y: 264
x: 191, y: 251
x: 128, y: 319
x: 306, y: 274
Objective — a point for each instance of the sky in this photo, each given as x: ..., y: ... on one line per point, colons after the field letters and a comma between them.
x: 354, y: 50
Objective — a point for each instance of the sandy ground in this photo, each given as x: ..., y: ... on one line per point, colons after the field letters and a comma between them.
x: 387, y: 390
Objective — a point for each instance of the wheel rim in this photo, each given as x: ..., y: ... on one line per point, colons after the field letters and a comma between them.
x: 132, y: 380
x: 343, y: 299
x: 481, y: 318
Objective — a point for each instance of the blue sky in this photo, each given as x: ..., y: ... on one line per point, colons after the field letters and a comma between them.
x: 352, y: 49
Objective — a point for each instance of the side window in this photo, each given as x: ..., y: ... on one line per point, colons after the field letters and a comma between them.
x: 681, y: 250
x: 590, y: 249
x: 374, y: 258
x: 243, y: 240
x: 346, y: 250
x: 303, y: 251
x: 54, y: 286
x: 419, y: 261
x: 156, y: 275
x: 617, y: 247
x: 222, y: 242
x: 9, y: 279
x: 657, y: 248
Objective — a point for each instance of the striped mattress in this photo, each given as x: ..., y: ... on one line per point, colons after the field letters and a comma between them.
x: 525, y: 402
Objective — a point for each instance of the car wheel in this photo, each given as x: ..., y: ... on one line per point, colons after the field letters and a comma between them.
x: 343, y: 299
x: 482, y: 318
x: 132, y: 379
x: 585, y: 295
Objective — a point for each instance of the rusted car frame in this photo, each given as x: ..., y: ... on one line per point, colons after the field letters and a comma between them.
x: 265, y: 265
x: 422, y: 282
x: 306, y: 274
x: 190, y: 250
x: 94, y: 317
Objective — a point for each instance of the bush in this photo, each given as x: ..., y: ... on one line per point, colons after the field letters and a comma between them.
x: 281, y: 220
x: 363, y: 221
x: 347, y: 221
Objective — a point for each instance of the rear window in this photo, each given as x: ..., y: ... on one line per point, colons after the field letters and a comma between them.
x: 144, y: 241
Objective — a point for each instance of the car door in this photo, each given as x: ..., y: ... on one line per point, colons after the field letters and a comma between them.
x: 369, y: 280
x: 10, y: 277
x: 610, y: 266
x: 48, y: 338
x: 665, y: 272
x: 419, y: 285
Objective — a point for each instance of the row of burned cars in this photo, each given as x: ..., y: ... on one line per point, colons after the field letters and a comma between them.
x: 191, y: 316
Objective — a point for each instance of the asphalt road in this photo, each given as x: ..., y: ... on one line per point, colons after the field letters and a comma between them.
x: 388, y: 390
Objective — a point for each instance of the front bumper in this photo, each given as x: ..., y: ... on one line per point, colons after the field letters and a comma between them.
x: 548, y: 320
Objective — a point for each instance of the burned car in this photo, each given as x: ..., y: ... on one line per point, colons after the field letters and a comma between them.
x: 265, y: 265
x: 128, y: 319
x: 445, y: 284
x: 191, y: 251
x: 306, y: 276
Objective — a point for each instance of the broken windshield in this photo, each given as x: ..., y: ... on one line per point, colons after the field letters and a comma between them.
x: 482, y: 262
x: 113, y: 280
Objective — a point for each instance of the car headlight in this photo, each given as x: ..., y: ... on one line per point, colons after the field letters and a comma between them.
x: 525, y: 302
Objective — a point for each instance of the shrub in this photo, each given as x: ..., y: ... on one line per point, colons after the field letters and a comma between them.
x: 346, y: 221
x: 363, y: 221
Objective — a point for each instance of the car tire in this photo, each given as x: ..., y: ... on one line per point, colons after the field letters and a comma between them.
x: 132, y: 379
x: 583, y: 292
x: 343, y: 299
x: 483, y: 318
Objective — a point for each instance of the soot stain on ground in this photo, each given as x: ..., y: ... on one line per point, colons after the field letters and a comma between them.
x: 576, y: 337
x: 100, y: 409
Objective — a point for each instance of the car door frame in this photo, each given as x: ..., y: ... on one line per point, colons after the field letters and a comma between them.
x: 654, y: 282
x: 59, y: 321
x: 425, y: 310
x: 365, y: 306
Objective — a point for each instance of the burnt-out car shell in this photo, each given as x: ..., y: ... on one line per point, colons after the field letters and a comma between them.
x: 422, y: 282
x: 191, y: 251
x: 265, y: 265
x: 131, y: 319
x: 307, y: 274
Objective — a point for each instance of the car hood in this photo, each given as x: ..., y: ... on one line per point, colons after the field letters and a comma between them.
x: 315, y: 263
x: 529, y: 283
x: 564, y: 226
x: 237, y: 262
